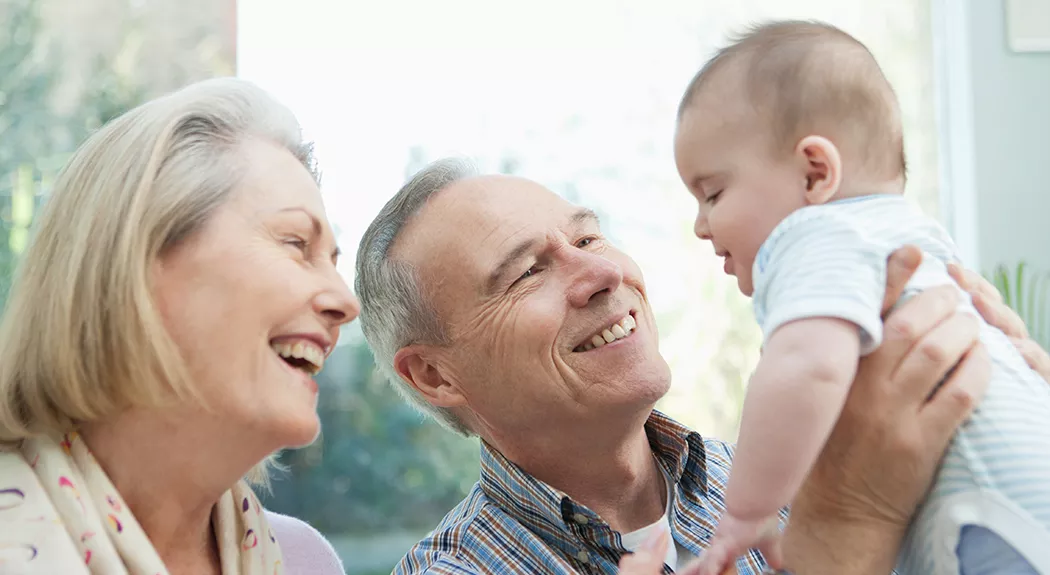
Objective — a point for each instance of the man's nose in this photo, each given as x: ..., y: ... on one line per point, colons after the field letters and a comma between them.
x: 593, y: 275
x: 700, y: 227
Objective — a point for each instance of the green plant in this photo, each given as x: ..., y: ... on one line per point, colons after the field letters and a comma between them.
x: 1028, y: 293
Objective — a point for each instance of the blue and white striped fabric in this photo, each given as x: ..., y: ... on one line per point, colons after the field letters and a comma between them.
x: 830, y: 261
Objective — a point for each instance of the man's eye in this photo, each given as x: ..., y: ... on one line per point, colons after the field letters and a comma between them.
x: 297, y: 243
x: 586, y: 241
x: 528, y: 274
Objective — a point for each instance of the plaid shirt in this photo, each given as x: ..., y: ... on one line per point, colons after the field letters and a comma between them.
x: 512, y: 522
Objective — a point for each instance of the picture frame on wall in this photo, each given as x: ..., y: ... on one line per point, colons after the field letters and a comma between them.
x: 1028, y: 25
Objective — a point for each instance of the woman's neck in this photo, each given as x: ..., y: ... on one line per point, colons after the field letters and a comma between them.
x: 168, y: 480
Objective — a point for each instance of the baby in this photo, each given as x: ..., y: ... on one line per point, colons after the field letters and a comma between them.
x: 791, y: 141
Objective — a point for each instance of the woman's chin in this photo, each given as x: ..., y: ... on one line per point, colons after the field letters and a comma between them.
x: 290, y: 428
x: 302, y: 432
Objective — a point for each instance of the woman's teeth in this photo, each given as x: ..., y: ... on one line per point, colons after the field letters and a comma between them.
x: 616, y: 331
x: 302, y: 355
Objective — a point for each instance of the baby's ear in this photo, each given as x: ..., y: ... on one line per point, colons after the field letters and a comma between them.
x: 823, y: 168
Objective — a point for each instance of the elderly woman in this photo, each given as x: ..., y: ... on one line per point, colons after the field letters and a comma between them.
x: 160, y: 342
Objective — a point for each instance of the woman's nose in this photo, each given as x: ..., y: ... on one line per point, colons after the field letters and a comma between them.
x: 338, y: 304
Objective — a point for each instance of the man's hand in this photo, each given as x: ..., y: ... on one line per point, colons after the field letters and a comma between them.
x: 854, y: 508
x: 989, y: 302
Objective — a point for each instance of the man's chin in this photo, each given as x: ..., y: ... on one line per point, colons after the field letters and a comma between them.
x: 646, y: 388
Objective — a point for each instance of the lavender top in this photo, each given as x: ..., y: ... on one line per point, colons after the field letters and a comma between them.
x: 306, y: 552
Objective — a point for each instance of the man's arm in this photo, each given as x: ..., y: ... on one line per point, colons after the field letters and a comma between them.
x: 853, y: 511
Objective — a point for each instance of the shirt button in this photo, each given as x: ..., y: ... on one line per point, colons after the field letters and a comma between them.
x: 583, y: 557
x: 580, y: 518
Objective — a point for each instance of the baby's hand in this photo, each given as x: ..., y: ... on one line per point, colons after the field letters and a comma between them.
x: 734, y: 537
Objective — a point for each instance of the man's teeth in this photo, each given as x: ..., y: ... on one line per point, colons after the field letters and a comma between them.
x: 309, y: 353
x: 616, y: 331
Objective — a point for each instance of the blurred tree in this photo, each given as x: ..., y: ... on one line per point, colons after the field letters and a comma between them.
x: 54, y: 92
x: 381, y: 465
x: 28, y: 130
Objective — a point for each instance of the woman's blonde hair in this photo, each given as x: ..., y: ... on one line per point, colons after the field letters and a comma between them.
x: 81, y: 337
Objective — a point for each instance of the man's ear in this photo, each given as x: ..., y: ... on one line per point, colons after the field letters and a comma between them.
x: 823, y: 168
x: 417, y: 366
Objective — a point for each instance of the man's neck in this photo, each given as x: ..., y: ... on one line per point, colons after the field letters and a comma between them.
x: 614, y: 475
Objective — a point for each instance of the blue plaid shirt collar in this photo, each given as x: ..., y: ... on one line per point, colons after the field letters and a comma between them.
x: 511, y: 522
x: 556, y: 517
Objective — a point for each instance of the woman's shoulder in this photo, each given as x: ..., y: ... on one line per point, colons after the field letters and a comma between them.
x: 305, y: 550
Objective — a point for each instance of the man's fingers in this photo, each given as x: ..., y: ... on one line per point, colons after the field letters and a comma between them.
x: 997, y: 313
x: 917, y: 316
x: 973, y: 282
x: 899, y: 269
x: 1034, y: 355
x: 960, y: 276
x: 954, y: 401
x: 936, y: 353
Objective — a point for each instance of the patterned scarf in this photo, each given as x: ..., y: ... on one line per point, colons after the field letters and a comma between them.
x: 59, y: 513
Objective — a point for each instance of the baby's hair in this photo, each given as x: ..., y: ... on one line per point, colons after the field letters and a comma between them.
x: 812, y: 78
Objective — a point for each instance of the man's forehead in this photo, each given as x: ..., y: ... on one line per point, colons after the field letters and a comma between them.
x: 474, y: 218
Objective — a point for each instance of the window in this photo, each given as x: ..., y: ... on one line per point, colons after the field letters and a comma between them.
x: 579, y: 95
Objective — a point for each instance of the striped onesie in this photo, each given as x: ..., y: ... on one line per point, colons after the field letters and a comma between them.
x: 989, y: 508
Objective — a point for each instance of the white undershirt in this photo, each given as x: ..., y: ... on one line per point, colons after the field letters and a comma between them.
x: 633, y: 540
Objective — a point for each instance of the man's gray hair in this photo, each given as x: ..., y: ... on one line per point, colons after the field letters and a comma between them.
x: 395, y: 310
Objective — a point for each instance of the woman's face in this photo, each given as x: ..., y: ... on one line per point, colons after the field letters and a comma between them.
x: 254, y: 303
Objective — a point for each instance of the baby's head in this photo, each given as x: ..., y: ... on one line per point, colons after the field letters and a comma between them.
x: 790, y: 114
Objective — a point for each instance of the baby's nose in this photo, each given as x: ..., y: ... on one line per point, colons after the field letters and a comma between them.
x: 700, y: 227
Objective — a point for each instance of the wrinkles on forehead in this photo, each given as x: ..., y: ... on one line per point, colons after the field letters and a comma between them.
x: 460, y: 235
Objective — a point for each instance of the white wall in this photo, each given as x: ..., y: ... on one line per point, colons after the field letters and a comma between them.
x: 995, y: 115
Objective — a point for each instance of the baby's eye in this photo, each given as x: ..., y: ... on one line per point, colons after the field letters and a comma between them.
x: 713, y: 197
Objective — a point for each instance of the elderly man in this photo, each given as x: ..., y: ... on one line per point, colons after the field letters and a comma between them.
x: 501, y: 310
